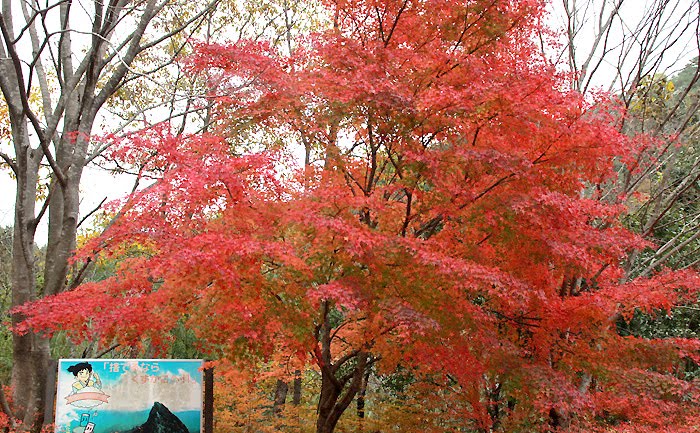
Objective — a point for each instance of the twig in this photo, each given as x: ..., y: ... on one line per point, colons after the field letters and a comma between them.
x: 92, y: 212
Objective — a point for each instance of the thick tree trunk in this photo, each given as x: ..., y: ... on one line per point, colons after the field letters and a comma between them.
x: 334, y: 399
x: 337, y: 392
x: 559, y: 419
x: 61, y: 131
x: 74, y: 109
x: 64, y: 211
x: 29, y: 382
x: 327, y: 417
x: 29, y: 351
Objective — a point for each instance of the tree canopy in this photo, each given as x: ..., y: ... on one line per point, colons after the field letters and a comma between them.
x: 448, y: 221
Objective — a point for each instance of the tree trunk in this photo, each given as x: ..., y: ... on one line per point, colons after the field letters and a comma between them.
x: 280, y: 396
x: 336, y: 392
x: 296, y: 396
x: 361, y: 395
x: 328, y: 415
x: 332, y: 403
x: 559, y: 419
x: 73, y: 108
x: 29, y: 351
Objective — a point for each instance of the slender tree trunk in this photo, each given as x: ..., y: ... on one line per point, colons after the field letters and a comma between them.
x: 296, y: 395
x: 280, y: 396
x: 361, y: 396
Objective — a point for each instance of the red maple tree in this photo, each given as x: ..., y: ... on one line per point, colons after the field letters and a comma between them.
x: 446, y: 220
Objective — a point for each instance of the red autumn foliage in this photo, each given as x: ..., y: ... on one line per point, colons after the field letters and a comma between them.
x: 448, y: 216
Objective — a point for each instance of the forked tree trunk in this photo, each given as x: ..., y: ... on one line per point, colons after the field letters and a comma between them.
x: 335, y: 399
x: 337, y: 391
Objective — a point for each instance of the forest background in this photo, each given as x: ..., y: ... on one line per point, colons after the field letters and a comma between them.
x: 472, y: 218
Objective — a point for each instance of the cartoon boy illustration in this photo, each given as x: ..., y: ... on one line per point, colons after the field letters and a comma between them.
x: 85, y: 377
x: 86, y: 391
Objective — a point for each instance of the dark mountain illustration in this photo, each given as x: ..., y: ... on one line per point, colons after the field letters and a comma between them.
x: 160, y: 420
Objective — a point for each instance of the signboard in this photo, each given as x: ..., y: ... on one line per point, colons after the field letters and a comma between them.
x: 129, y: 396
